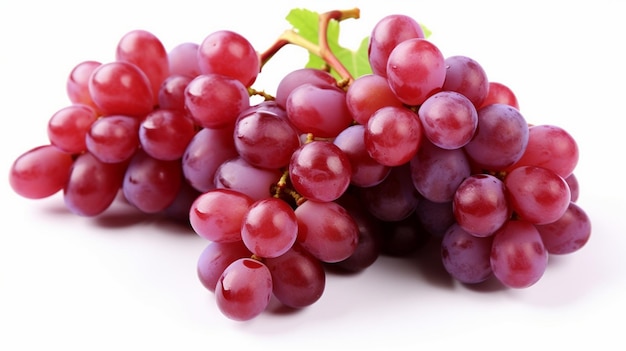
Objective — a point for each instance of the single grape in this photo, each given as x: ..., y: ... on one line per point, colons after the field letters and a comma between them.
x: 567, y: 234
x: 498, y: 93
x: 40, y: 172
x: 228, y: 53
x: 518, y: 256
x: 320, y: 110
x: 121, y: 88
x: 320, y: 171
x: 326, y: 230
x: 393, y: 135
x: 298, y: 278
x: 466, y: 76
x: 68, y: 127
x: 480, y: 204
x: 465, y: 256
x: 172, y: 92
x: 77, y: 84
x: 537, y: 194
x: 265, y: 139
x: 151, y: 185
x: 437, y: 173
x: 217, y: 215
x: 183, y: 60
x: 415, y: 58
x: 93, y: 185
x: 214, y: 259
x: 114, y: 138
x: 165, y: 134
x: 244, y: 289
x: 269, y: 227
x: 449, y: 119
x: 500, y: 139
x: 215, y: 101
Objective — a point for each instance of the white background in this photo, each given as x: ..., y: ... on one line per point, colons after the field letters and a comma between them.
x: 122, y: 282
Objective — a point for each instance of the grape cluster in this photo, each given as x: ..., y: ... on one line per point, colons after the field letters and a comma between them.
x: 326, y: 173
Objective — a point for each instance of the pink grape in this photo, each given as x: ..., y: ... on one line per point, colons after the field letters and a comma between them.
x: 215, y: 101
x: 113, y: 139
x: 217, y: 215
x: 320, y: 171
x: 326, y: 230
x: 40, y: 172
x: 500, y: 139
x: 466, y: 76
x: 228, y: 53
x: 320, y: 110
x: 244, y: 289
x: 518, y: 256
x: 165, y: 134
x: 298, y: 278
x: 269, y: 228
x: 68, y: 127
x: 480, y: 204
x: 449, y: 119
x: 465, y: 256
x: 393, y: 135
x: 498, y: 93
x: 172, y: 92
x: 77, y: 84
x: 93, y: 185
x: 536, y: 194
x: 121, y: 88
x: 151, y: 185
x: 415, y: 58
x: 436, y: 173
x: 265, y: 139
x: 567, y: 234
x: 183, y: 60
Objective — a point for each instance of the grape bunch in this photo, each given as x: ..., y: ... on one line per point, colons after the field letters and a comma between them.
x: 327, y: 173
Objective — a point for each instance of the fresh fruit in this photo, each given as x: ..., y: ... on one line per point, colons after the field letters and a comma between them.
x: 344, y: 163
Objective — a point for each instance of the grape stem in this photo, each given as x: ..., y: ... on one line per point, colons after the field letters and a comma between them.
x: 322, y: 49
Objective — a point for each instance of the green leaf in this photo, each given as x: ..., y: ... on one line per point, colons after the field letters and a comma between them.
x: 427, y: 32
x: 305, y: 23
